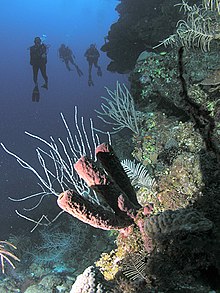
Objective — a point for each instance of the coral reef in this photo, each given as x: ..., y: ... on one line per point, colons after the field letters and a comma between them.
x: 155, y: 80
x: 180, y: 183
x: 138, y: 28
x: 168, y: 238
x: 90, y: 281
x: 178, y: 146
x: 169, y: 235
x: 8, y: 285
x: 128, y: 241
x: 199, y: 30
x: 50, y: 283
x: 171, y: 222
x: 58, y: 245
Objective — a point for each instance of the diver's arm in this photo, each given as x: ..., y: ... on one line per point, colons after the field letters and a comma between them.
x: 60, y: 56
x: 86, y: 53
x: 97, y: 53
x: 44, y: 49
x: 31, y: 56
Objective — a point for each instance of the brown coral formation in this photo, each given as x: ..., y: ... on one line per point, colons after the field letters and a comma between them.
x: 183, y: 220
x: 138, y: 27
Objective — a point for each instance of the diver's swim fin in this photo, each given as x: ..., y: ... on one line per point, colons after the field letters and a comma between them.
x: 90, y: 82
x: 80, y: 73
x: 45, y: 86
x: 35, y: 94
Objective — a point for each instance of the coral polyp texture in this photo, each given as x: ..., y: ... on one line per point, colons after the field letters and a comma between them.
x: 168, y: 222
x: 90, y: 281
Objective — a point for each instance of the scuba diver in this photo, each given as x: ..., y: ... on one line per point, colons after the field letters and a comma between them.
x: 92, y: 56
x: 66, y: 55
x: 38, y: 60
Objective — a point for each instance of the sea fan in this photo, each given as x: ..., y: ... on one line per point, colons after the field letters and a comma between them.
x: 138, y: 174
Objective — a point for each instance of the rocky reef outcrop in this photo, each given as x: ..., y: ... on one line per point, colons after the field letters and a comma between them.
x: 142, y: 24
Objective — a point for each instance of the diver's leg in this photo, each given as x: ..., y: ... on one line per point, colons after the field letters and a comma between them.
x: 90, y: 82
x: 71, y: 60
x: 90, y: 69
x: 44, y: 74
x: 35, y: 73
x: 95, y: 63
x: 79, y: 71
x: 35, y: 94
x: 99, y: 71
x: 67, y: 64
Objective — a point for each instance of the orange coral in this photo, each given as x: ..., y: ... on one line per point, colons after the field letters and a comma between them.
x: 5, y: 254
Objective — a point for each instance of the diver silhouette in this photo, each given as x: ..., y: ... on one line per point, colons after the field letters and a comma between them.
x: 66, y: 55
x: 38, y: 60
x: 92, y: 55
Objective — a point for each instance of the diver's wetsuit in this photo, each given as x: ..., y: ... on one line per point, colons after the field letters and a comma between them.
x: 92, y: 56
x: 67, y: 56
x: 38, y: 60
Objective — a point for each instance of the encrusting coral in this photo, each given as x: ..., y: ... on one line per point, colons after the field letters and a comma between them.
x: 139, y: 229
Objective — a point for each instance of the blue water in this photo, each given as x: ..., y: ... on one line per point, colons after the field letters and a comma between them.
x: 76, y: 23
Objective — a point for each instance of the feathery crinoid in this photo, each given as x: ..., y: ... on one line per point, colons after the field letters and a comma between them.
x: 138, y: 174
x: 213, y: 5
x: 5, y: 254
x: 135, y: 266
x: 201, y: 27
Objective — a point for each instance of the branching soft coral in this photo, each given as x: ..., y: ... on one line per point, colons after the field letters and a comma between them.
x: 5, y: 254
